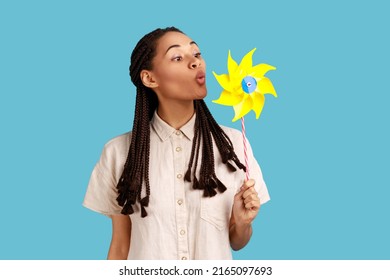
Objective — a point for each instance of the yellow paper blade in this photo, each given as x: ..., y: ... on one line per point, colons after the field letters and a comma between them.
x: 224, y: 81
x: 243, y: 107
x: 231, y: 65
x: 246, y: 63
x: 259, y: 70
x: 229, y: 99
x: 258, y: 103
x: 264, y: 86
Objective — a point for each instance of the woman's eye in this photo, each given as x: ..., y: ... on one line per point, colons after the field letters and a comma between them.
x: 177, y: 58
x: 198, y: 54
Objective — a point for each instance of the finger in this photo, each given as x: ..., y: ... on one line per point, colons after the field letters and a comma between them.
x: 248, y: 184
x: 249, y: 192
x: 252, y: 197
x: 253, y: 205
x: 244, y: 187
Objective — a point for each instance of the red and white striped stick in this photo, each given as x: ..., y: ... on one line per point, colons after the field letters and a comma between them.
x: 245, y: 148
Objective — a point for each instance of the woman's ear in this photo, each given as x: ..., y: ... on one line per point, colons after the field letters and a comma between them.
x: 147, y: 79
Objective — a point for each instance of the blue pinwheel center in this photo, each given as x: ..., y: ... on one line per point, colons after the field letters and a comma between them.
x: 249, y: 84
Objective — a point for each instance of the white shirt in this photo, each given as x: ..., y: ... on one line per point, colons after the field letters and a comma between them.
x: 181, y: 223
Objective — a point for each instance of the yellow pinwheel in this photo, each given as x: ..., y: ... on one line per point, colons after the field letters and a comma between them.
x: 245, y: 85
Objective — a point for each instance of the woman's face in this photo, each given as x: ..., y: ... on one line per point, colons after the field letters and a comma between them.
x: 178, y: 69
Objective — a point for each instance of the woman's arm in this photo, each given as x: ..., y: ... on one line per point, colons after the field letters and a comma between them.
x: 239, y: 235
x: 121, y: 235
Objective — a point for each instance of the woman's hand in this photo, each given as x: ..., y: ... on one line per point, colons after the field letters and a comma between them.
x: 246, y: 206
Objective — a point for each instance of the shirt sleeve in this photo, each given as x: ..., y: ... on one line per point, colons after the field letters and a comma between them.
x: 101, y: 192
x: 256, y: 174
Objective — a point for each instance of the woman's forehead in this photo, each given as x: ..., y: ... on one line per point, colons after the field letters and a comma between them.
x: 173, y: 39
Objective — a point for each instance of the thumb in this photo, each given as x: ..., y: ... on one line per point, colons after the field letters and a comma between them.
x: 244, y: 187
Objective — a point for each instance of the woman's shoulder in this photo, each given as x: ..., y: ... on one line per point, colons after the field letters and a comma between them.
x: 117, y: 140
x: 118, y: 144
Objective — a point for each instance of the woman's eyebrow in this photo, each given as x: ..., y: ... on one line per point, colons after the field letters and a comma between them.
x: 177, y: 46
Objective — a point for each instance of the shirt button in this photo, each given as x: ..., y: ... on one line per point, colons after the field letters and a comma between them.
x: 179, y: 176
x: 182, y: 232
x: 183, y: 258
x: 178, y: 132
x: 178, y: 149
x: 180, y: 202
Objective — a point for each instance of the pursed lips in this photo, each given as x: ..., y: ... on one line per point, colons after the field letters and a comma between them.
x: 201, y: 77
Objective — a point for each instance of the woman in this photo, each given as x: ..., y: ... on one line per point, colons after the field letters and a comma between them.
x: 169, y: 195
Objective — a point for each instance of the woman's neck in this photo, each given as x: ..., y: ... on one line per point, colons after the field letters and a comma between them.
x: 176, y: 114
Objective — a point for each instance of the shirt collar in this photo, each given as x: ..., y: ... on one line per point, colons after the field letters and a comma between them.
x: 164, y: 130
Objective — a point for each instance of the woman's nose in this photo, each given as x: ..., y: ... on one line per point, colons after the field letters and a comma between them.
x: 194, y: 64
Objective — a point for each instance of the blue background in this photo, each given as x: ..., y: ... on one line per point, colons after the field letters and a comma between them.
x: 323, y: 144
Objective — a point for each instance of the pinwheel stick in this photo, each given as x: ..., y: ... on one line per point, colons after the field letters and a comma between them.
x: 245, y: 148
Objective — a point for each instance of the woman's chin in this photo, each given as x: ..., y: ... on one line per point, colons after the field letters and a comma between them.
x: 201, y: 94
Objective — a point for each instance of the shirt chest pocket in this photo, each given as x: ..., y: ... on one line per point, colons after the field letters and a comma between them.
x: 216, y: 210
